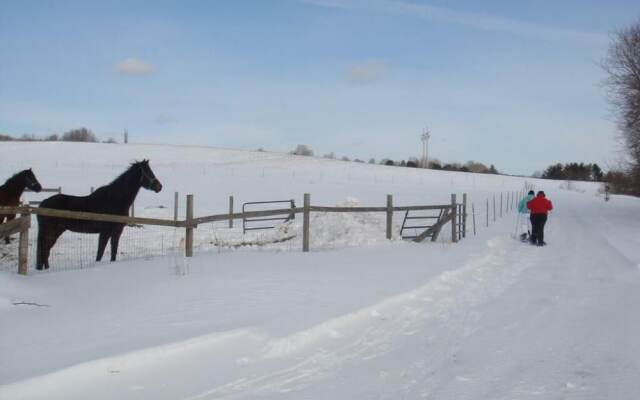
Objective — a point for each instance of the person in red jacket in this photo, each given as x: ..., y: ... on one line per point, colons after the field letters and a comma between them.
x: 539, y: 207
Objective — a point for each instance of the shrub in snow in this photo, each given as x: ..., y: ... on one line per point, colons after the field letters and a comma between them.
x: 302, y: 150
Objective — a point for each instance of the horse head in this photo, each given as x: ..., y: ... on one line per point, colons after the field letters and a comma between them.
x: 30, y: 181
x: 148, y: 179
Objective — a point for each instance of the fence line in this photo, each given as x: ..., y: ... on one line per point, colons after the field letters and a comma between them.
x: 457, y: 215
x: 511, y: 204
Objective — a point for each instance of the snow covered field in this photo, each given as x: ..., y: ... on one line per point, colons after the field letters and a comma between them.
x: 357, y: 317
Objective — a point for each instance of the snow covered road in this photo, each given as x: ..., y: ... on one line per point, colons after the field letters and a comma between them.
x: 488, y: 318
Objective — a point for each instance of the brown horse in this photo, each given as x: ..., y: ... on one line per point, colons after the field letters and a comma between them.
x: 12, y: 190
x: 115, y: 198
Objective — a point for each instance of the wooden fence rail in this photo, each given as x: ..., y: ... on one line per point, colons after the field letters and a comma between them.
x: 44, y: 190
x: 247, y: 214
x: 378, y: 209
x: 14, y: 226
x: 47, y: 190
x: 88, y: 216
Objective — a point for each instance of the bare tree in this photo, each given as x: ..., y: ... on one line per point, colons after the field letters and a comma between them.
x: 302, y: 150
x: 622, y: 65
x: 477, y: 167
x: 79, y: 135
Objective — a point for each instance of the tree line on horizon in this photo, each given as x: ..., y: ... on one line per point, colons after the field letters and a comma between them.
x: 574, y: 172
x: 72, y: 135
x: 411, y: 162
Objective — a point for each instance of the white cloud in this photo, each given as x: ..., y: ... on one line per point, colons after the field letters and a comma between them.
x: 367, y: 72
x: 478, y: 21
x: 134, y: 66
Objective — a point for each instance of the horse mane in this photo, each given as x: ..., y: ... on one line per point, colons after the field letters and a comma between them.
x: 126, y: 173
x: 14, y: 178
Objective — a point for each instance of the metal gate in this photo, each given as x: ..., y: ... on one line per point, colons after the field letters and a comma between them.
x: 420, y: 223
x: 252, y: 224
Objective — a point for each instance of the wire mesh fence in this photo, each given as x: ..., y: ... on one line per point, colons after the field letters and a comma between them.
x: 73, y: 251
x: 485, y: 212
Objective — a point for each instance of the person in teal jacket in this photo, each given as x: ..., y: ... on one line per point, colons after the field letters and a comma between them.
x: 522, y: 205
x: 523, y: 210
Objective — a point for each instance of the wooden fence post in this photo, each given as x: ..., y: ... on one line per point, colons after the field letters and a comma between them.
x: 389, y: 215
x: 454, y: 218
x: 487, y: 213
x: 175, y: 206
x: 23, y: 252
x: 305, y: 222
x: 460, y: 217
x: 473, y: 215
x: 230, y: 211
x: 188, y: 239
x: 494, y: 208
x: 464, y: 215
x: 133, y: 209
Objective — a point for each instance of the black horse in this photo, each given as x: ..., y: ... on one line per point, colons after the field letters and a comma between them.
x: 115, y: 198
x: 12, y: 190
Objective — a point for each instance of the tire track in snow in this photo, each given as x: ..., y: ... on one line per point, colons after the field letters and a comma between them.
x: 371, y: 332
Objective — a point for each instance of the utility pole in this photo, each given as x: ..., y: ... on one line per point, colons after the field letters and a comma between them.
x: 126, y: 136
x: 425, y: 147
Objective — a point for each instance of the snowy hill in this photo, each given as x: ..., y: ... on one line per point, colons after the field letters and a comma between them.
x: 357, y: 317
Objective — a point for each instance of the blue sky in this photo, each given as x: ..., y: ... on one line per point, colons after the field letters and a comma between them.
x: 516, y: 84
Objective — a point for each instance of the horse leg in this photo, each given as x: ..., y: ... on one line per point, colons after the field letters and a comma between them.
x: 2, y: 219
x: 47, y: 237
x: 7, y: 239
x: 115, y: 239
x: 102, y: 244
x: 40, y: 247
